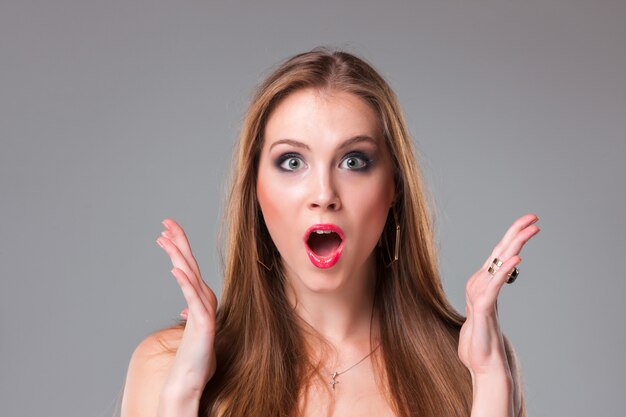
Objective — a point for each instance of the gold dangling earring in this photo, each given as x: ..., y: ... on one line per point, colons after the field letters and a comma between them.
x: 396, y: 248
x: 258, y: 259
x: 269, y: 269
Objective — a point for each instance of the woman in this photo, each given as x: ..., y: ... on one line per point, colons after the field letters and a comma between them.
x: 332, y: 303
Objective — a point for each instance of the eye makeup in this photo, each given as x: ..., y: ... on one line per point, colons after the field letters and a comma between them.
x: 289, y: 162
x: 357, y: 160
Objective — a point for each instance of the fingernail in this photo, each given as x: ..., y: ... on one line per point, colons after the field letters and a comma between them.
x: 164, y: 223
x: 167, y: 234
x: 158, y: 241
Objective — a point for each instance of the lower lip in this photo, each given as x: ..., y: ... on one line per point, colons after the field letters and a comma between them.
x: 324, y: 261
x: 329, y: 261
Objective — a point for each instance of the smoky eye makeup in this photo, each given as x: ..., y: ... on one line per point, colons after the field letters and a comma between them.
x: 357, y: 160
x: 289, y: 162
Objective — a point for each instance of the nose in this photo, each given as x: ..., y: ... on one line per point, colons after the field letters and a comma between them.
x: 324, y: 195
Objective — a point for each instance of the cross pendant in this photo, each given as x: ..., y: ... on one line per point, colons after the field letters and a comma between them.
x: 334, y: 381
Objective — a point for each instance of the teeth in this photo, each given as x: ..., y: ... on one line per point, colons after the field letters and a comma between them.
x: 323, y: 232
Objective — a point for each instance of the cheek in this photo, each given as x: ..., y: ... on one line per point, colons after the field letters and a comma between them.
x: 374, y: 217
x: 267, y: 197
x: 370, y: 206
x: 277, y: 207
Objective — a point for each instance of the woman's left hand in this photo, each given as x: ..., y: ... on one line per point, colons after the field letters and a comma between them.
x: 481, y: 343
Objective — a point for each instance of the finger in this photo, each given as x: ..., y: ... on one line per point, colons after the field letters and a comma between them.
x: 518, y: 225
x: 517, y: 243
x: 177, y: 235
x: 484, y: 298
x: 179, y: 261
x: 501, y: 277
x: 193, y: 299
x: 184, y: 313
x: 177, y: 258
x: 512, y: 243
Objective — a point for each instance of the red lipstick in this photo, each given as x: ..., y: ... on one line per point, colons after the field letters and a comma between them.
x: 324, y: 244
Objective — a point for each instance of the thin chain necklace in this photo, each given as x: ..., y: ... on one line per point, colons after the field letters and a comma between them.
x: 336, y: 374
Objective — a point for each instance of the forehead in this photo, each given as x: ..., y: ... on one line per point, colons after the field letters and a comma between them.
x: 322, y: 114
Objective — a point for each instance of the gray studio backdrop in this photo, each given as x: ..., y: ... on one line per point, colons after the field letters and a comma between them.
x: 116, y: 114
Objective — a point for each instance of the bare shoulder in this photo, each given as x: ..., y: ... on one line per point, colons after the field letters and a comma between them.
x: 147, y: 371
x: 516, y: 373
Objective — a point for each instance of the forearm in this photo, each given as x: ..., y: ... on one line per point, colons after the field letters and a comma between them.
x: 493, y: 396
x: 173, y: 403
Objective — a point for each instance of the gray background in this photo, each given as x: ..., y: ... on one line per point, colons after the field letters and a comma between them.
x: 116, y: 114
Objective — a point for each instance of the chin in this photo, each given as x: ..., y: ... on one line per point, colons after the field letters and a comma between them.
x: 306, y: 277
x: 323, y: 283
x: 327, y: 280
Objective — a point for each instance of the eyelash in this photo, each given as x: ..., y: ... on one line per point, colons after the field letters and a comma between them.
x: 363, y: 157
x: 286, y: 157
x: 365, y: 160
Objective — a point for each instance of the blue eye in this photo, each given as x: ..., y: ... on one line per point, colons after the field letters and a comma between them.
x: 356, y: 161
x: 290, y: 162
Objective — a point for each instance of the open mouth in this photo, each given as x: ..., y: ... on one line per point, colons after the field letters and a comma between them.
x: 324, y: 244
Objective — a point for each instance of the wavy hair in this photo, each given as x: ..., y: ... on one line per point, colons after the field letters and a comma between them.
x: 262, y: 362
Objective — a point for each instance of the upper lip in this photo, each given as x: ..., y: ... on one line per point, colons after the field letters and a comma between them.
x: 324, y: 227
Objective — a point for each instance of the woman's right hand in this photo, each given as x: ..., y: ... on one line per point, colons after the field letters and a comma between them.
x: 195, y: 361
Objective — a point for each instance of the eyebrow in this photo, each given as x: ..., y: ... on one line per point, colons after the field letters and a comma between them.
x: 347, y: 143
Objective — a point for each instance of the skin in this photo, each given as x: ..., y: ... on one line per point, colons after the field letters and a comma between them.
x: 481, y: 342
x: 344, y: 176
x: 323, y: 187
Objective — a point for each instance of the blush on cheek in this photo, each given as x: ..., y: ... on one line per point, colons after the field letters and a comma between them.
x: 262, y: 194
x: 269, y: 202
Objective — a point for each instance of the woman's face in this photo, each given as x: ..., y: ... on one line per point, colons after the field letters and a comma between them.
x: 325, y: 186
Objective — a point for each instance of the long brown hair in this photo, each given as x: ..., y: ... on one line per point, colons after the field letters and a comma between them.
x: 262, y: 365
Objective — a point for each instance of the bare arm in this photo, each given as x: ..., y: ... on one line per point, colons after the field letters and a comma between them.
x: 516, y: 377
x: 169, y: 370
x: 149, y: 367
x: 482, y: 346
x: 495, y: 395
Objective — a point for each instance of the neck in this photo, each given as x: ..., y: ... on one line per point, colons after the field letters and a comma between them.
x: 343, y: 317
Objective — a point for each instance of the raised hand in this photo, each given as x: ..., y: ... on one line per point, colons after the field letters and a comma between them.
x: 194, y: 363
x: 481, y: 343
